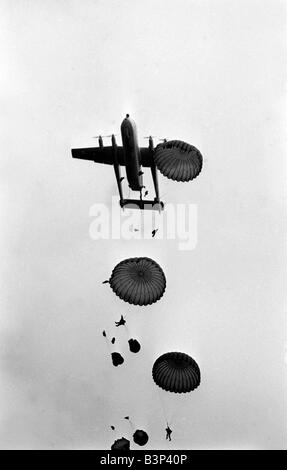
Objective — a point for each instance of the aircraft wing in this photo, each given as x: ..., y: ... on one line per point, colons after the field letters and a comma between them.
x: 100, y: 154
x: 146, y: 156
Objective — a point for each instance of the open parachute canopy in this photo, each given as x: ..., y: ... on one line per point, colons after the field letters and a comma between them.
x: 176, y: 372
x: 139, y: 281
x: 121, y: 444
x: 178, y: 160
x: 140, y: 437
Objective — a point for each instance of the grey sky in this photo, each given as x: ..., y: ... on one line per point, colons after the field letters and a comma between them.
x: 213, y: 74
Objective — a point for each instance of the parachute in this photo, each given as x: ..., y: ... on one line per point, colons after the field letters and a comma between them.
x: 178, y: 160
x: 117, y: 359
x: 121, y: 444
x: 134, y: 345
x: 138, y: 281
x: 140, y: 437
x: 176, y: 372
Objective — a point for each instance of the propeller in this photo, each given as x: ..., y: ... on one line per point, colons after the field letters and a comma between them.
x: 98, y: 136
x: 155, y: 137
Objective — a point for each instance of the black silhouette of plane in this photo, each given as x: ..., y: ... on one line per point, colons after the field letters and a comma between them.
x: 130, y: 156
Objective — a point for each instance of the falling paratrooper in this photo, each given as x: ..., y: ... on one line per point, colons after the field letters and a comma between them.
x: 178, y: 373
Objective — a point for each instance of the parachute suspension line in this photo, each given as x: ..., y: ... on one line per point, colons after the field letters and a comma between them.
x: 162, y: 405
x: 107, y: 342
x: 131, y: 424
x: 127, y: 331
x: 174, y: 411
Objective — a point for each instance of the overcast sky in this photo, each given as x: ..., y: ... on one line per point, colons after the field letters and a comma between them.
x: 212, y: 73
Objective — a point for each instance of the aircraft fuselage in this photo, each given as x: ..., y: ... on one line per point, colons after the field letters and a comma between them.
x: 131, y: 153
